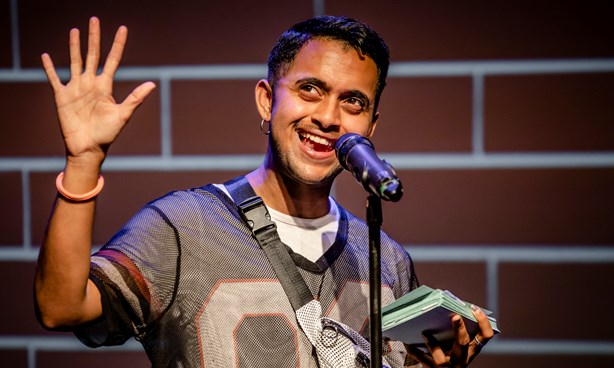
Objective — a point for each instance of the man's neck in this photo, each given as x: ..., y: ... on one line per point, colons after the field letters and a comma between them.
x: 288, y: 196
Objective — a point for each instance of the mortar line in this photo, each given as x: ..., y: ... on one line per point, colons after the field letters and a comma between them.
x: 27, y: 210
x: 16, y: 57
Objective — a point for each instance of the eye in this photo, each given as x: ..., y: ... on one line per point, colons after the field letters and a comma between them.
x: 356, y: 101
x: 309, y: 92
x: 355, y: 104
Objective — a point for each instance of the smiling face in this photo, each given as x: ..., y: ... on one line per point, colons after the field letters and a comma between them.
x: 328, y: 90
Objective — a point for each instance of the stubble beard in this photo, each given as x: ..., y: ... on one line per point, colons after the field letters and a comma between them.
x: 291, y: 169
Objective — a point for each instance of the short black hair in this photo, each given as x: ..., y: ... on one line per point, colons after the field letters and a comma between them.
x: 349, y: 31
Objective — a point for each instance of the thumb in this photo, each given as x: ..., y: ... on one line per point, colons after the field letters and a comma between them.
x: 135, y: 98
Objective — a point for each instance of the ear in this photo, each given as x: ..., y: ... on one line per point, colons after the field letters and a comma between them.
x: 373, y: 125
x: 264, y: 99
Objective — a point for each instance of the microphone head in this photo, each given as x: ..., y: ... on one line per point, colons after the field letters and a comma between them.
x: 357, y: 155
x: 344, y: 145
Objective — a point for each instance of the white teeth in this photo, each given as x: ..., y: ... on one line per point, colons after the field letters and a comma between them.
x: 316, y: 139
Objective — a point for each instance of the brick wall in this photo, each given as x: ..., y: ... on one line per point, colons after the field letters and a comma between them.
x: 498, y: 118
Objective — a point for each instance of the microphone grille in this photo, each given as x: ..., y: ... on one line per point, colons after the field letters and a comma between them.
x: 344, y: 145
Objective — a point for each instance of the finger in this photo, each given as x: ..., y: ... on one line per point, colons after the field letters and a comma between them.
x: 76, y: 64
x: 415, y: 351
x: 486, y: 332
x: 93, y: 46
x: 460, y: 331
x: 52, y: 76
x: 440, y: 358
x: 135, y: 98
x: 438, y: 355
x: 115, y: 55
x: 475, y: 346
x: 460, y: 349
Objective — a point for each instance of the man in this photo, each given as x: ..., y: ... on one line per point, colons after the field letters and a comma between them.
x: 185, y: 276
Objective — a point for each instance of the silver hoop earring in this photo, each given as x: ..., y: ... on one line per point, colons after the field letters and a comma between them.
x: 265, y: 132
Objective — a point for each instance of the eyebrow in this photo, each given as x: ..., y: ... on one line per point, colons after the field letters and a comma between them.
x: 321, y: 84
x: 315, y: 81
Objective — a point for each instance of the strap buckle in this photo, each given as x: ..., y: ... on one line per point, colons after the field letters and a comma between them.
x: 256, y: 216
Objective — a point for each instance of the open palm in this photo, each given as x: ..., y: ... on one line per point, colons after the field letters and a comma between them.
x: 90, y: 118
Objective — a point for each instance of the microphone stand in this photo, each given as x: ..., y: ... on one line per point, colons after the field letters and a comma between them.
x: 357, y: 155
x: 374, y: 221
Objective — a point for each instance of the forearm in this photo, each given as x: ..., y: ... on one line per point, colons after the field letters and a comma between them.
x: 65, y: 296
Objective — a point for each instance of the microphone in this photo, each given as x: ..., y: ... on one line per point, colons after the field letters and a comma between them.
x: 357, y: 155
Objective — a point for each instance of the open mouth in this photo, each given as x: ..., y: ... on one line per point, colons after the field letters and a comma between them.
x: 316, y: 143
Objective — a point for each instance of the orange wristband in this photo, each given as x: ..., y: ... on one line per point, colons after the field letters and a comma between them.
x: 78, y: 197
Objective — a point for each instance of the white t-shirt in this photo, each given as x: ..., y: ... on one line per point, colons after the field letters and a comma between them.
x: 310, y: 238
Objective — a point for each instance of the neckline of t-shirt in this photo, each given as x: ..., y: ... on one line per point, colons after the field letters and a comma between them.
x: 332, y: 215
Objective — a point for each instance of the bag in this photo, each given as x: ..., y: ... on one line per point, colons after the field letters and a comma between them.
x: 336, y: 344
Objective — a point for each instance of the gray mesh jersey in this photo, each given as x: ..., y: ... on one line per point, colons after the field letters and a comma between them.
x: 186, y: 278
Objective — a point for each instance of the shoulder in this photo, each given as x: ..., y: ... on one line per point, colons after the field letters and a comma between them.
x: 205, y: 196
x: 183, y: 207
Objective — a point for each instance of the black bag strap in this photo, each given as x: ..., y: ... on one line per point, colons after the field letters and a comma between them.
x: 256, y: 216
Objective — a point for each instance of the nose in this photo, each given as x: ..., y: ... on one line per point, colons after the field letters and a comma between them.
x: 327, y: 115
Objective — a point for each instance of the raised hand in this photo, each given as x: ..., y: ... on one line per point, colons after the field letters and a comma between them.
x: 90, y: 118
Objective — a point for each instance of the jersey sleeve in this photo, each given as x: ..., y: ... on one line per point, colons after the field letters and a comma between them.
x: 398, y: 271
x: 136, y: 273
x: 397, y: 267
